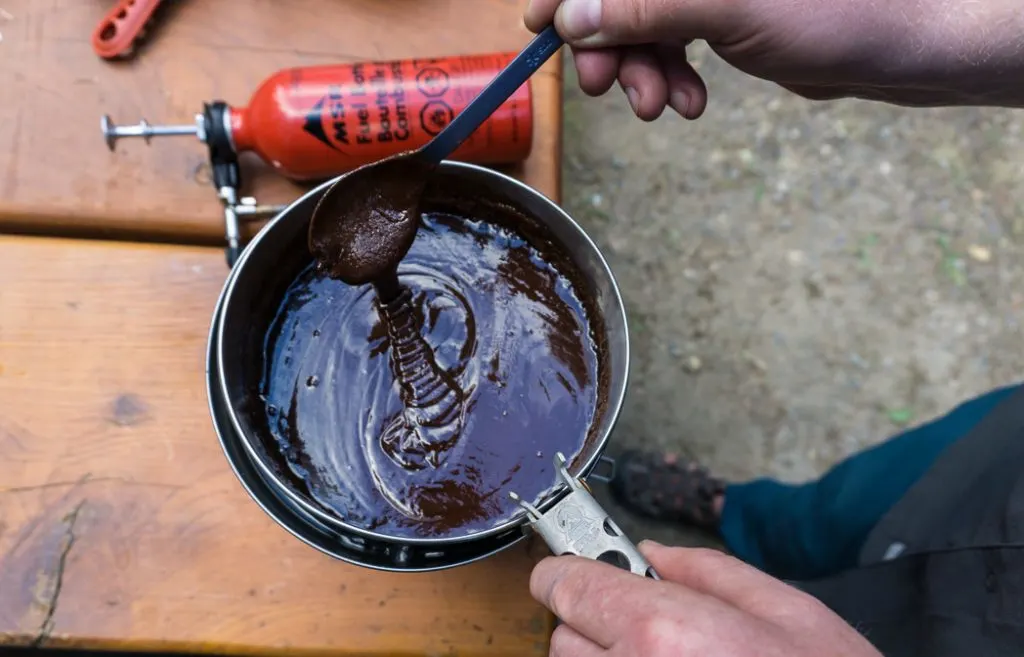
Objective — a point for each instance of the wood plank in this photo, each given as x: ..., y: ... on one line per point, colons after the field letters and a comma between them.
x: 121, y: 524
x: 56, y: 174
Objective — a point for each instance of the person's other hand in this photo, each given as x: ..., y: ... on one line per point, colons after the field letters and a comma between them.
x: 707, y: 603
x: 924, y: 52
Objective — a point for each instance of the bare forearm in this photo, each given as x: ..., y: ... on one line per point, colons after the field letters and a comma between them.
x: 977, y: 52
x: 906, y: 52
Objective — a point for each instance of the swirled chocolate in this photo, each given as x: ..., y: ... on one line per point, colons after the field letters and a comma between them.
x: 417, y: 417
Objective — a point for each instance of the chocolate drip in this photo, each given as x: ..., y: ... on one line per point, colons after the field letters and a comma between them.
x: 431, y: 419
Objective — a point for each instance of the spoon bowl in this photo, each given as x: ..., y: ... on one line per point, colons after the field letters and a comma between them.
x: 366, y: 221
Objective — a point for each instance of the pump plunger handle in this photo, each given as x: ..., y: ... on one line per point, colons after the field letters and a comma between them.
x: 143, y: 129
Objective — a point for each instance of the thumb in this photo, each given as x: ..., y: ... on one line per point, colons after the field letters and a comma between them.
x: 602, y: 23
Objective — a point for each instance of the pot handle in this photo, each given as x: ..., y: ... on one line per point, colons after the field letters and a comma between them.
x: 579, y: 525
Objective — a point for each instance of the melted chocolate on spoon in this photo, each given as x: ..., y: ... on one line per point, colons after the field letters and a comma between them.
x: 361, y: 228
x: 365, y: 223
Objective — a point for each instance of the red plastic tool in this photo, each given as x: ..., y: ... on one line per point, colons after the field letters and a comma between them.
x: 116, y: 36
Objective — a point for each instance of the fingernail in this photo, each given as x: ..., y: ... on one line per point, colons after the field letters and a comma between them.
x: 680, y: 102
x: 634, y: 99
x: 649, y: 543
x: 581, y: 18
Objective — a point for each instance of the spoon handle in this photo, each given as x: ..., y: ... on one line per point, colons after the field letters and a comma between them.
x: 519, y: 70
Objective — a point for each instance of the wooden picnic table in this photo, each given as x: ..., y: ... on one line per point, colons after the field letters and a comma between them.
x: 121, y: 523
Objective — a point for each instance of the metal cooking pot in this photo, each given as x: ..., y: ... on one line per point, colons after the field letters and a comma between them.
x: 246, y: 307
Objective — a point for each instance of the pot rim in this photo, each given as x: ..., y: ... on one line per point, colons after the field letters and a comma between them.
x: 615, y: 401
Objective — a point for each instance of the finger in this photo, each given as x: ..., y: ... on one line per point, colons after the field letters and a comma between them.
x: 589, y: 596
x: 687, y: 93
x: 567, y: 642
x: 596, y: 23
x: 644, y: 82
x: 539, y: 14
x: 726, y: 578
x: 597, y: 69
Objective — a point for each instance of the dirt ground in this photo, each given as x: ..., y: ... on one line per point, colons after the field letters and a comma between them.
x: 802, y: 279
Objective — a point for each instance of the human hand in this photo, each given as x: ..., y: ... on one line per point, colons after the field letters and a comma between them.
x: 707, y: 603
x: 924, y: 52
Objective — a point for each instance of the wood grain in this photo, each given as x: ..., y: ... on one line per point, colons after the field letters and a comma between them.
x: 121, y: 524
x: 56, y: 174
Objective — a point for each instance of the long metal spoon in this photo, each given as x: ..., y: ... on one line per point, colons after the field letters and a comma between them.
x: 365, y: 223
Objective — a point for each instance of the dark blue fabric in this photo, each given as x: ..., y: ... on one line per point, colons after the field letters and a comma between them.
x: 805, y: 531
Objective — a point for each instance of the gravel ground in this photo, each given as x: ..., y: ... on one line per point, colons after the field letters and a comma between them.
x: 803, y: 279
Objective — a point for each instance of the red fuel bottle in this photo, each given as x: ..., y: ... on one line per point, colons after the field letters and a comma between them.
x: 315, y: 123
